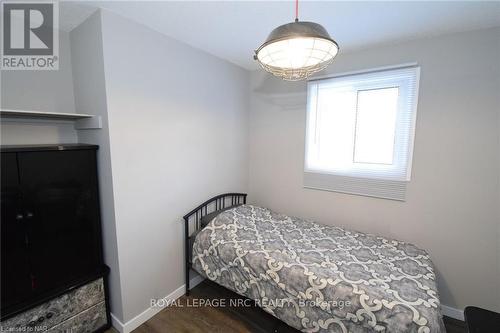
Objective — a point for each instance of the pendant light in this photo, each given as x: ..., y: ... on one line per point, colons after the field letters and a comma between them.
x: 296, y: 50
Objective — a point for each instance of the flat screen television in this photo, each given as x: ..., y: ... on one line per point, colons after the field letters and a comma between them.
x: 50, y: 222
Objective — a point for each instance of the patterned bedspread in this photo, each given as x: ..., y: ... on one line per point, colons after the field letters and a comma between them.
x: 320, y: 278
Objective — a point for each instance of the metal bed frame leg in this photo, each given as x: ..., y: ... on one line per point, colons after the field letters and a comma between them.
x: 186, y: 228
x: 187, y: 280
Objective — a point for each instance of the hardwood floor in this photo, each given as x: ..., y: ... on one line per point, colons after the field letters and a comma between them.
x: 202, y: 319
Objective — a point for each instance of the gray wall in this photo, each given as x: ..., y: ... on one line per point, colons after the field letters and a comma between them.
x: 90, y: 97
x: 452, y: 200
x: 174, y: 133
x: 498, y: 159
x: 50, y: 91
x: 25, y: 132
x: 176, y: 130
x: 178, y: 135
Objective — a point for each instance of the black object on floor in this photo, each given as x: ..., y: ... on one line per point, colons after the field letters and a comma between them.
x: 481, y: 321
x: 454, y: 325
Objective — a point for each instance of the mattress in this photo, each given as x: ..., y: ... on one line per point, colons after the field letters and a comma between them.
x: 319, y: 278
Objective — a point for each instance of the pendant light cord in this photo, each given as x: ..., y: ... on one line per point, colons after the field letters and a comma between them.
x: 296, y: 10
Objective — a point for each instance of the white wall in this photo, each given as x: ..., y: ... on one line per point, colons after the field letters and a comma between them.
x: 50, y: 91
x: 452, y: 200
x: 90, y: 98
x: 178, y: 135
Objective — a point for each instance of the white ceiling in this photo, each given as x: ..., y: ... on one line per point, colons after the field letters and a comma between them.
x: 233, y: 29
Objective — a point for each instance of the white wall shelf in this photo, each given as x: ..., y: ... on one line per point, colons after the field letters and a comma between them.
x: 44, y: 115
x: 82, y: 121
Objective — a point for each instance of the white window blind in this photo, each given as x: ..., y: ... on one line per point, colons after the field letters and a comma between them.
x: 360, y: 131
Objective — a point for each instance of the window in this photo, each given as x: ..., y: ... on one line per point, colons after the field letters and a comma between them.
x: 360, y: 129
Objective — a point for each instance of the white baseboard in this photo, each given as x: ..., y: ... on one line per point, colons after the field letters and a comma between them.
x: 141, y: 318
x: 452, y: 312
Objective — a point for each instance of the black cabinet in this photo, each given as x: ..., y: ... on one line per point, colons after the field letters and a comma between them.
x: 15, y: 270
x: 51, y: 233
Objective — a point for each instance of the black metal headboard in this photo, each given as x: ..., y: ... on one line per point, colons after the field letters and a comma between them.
x: 193, y: 218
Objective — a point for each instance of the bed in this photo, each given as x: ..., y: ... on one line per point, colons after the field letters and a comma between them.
x: 314, y: 277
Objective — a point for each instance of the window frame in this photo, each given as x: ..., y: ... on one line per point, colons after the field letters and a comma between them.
x: 371, y: 173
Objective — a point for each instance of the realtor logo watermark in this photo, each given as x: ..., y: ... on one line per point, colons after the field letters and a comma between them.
x: 30, y: 35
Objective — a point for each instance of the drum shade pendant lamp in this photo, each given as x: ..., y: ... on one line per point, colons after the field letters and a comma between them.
x: 296, y: 50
